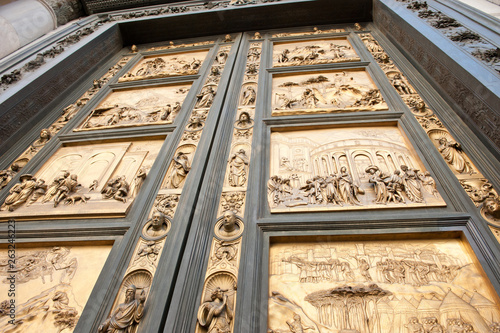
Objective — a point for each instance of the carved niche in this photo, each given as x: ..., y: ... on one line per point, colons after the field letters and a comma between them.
x: 160, y: 66
x: 400, y: 286
x: 137, y: 107
x: 99, y: 179
x: 325, y: 92
x: 347, y: 168
x: 313, y: 52
x: 53, y: 285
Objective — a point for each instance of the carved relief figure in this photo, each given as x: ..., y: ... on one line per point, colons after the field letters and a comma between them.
x: 249, y: 96
x: 378, y: 286
x: 238, y: 168
x: 453, y: 154
x: 139, y: 180
x: 157, y: 226
x: 180, y: 169
x: 145, y: 106
x: 116, y: 188
x: 327, y: 92
x: 127, y: 314
x: 244, y: 121
x: 7, y: 175
x: 333, y: 169
x: 216, y: 315
x: 20, y: 193
x: 296, y: 325
x: 348, y: 191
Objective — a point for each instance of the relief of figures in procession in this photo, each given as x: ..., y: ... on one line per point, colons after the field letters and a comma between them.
x: 346, y: 168
x: 137, y: 107
x: 313, y: 52
x: 378, y: 286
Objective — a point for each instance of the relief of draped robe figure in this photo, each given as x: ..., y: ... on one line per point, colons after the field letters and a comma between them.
x: 128, y: 313
x: 238, y: 168
x: 452, y: 153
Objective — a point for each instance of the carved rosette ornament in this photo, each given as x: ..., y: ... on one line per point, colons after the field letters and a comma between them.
x: 216, y: 310
x: 474, y: 183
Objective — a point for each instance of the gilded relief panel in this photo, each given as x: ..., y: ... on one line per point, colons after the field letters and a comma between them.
x: 160, y: 66
x: 345, y: 169
x: 137, y: 107
x: 313, y: 52
x: 374, y: 286
x: 325, y: 92
x: 84, y: 180
x: 52, y: 285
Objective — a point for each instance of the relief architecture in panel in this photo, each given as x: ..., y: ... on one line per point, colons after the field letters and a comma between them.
x: 52, y: 286
x: 48, y: 133
x: 99, y: 179
x: 324, y: 51
x: 154, y: 67
x: 323, y: 92
x: 181, y: 163
x: 378, y: 286
x: 479, y: 189
x: 347, y: 168
x: 137, y: 107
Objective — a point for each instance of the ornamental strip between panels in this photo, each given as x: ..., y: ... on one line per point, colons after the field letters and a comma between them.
x: 218, y: 298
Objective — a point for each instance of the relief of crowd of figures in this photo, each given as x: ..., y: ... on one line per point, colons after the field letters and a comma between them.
x: 47, y: 133
x: 346, y: 168
x: 52, y: 286
x: 479, y: 189
x: 378, y: 286
x: 216, y: 311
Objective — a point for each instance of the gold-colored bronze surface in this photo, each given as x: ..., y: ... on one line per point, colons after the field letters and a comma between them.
x: 325, y: 92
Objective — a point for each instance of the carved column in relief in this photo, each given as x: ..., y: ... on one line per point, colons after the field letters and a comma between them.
x: 48, y: 133
x: 479, y: 189
x: 216, y: 311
